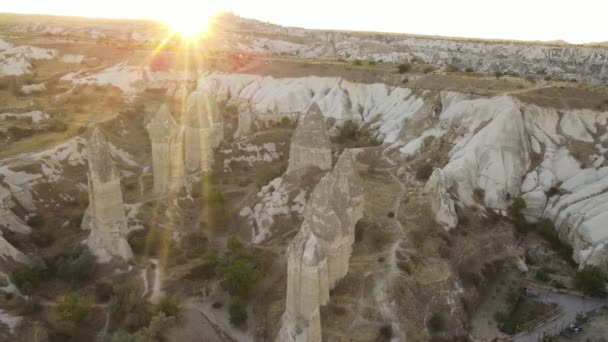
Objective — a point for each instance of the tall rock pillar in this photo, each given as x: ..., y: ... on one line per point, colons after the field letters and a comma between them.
x: 108, y: 222
x: 318, y: 256
x: 166, y: 151
x: 310, y: 145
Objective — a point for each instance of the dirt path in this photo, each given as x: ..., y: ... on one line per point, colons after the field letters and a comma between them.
x: 383, y: 284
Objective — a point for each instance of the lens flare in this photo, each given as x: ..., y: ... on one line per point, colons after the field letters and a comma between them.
x: 190, y: 25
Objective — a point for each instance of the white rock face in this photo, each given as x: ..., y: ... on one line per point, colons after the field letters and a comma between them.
x: 535, y: 205
x: 493, y: 139
x: 389, y: 108
x: 441, y: 202
x: 15, y: 60
x: 36, y: 116
x: 108, y: 220
x: 167, y: 160
x: 310, y: 146
x: 318, y: 256
x: 494, y: 152
x: 74, y: 59
x: 33, y: 88
x: 274, y: 200
x: 132, y: 80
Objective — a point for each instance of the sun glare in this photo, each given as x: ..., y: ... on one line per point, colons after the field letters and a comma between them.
x: 189, y: 25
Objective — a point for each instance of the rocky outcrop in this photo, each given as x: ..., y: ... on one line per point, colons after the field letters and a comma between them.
x: 167, y: 161
x: 108, y: 223
x: 310, y: 145
x: 500, y: 145
x: 203, y: 130
x: 11, y: 222
x: 441, y: 201
x: 318, y: 256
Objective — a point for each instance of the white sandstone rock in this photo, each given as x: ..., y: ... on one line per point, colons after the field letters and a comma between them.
x: 167, y: 145
x: 109, y: 230
x: 310, y: 144
x: 318, y: 256
x: 535, y: 205
x: 441, y: 202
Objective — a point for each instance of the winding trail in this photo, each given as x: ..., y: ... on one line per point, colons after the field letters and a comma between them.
x: 387, y: 309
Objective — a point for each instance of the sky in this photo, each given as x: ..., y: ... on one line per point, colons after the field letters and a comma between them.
x: 579, y: 21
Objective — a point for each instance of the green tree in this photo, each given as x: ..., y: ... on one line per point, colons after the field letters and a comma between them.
x: 348, y: 131
x: 72, y: 309
x: 238, y: 270
x: 238, y: 312
x: 591, y: 281
x: 169, y: 306
x: 76, y: 268
x: 403, y: 68
x: 541, y: 275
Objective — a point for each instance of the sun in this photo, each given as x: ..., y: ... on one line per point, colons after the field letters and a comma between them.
x: 189, y: 24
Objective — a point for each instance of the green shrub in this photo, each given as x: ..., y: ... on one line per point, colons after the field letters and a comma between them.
x: 72, y: 309
x: 285, y: 121
x: 358, y: 62
x: 239, y: 269
x: 451, y: 68
x: 591, y: 281
x: 385, y: 333
x: 404, y: 67
x: 215, y: 207
x: 513, y: 296
x: 57, y: 125
x: 30, y: 306
x: 428, y: 69
x: 238, y: 312
x: 372, y: 62
x: 479, y: 194
x: 348, y: 131
x: 128, y: 306
x: 542, y: 276
x: 469, y: 70
x: 28, y: 279
x: 436, y: 322
x: 42, y: 238
x: 169, y: 306
x: 75, y: 268
x: 518, y: 204
x: 147, y: 242
x: 424, y: 171
x: 103, y: 292
x: 546, y: 229
x: 471, y: 279
x: 498, y: 74
x: 266, y: 176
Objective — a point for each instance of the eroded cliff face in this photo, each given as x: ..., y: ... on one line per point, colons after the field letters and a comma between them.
x: 318, y: 257
x: 498, y: 148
